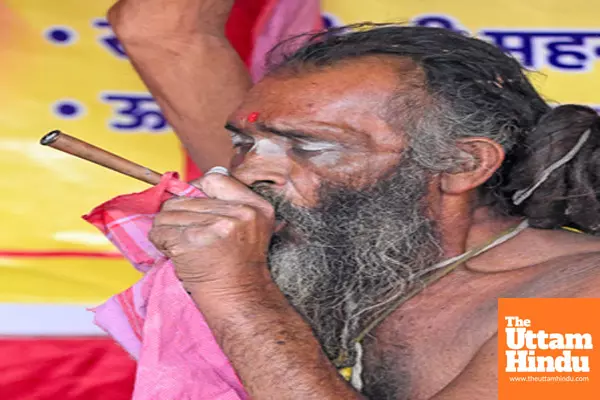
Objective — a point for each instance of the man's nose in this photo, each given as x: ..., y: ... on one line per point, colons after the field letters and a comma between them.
x: 260, y: 169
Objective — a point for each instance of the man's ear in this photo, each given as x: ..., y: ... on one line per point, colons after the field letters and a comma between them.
x: 480, y: 158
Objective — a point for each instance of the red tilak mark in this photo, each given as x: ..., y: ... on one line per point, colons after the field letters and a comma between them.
x: 252, y: 117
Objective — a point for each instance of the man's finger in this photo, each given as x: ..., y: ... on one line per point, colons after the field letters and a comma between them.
x: 182, y: 218
x: 229, y: 189
x: 200, y: 212
x: 198, y: 204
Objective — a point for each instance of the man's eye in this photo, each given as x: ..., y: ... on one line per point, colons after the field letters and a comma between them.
x: 239, y: 141
x: 302, y: 150
x: 313, y: 147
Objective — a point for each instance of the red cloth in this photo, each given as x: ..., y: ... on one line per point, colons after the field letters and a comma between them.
x: 64, y: 368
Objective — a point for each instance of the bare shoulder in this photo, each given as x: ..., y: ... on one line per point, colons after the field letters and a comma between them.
x: 554, y: 263
x: 580, y: 275
x: 568, y: 264
x: 568, y: 267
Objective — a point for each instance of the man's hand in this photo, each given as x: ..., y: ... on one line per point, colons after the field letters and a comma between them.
x: 219, y: 248
x: 180, y: 51
x: 220, y: 242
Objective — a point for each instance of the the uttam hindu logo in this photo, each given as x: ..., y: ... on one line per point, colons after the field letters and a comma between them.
x: 546, y: 349
x: 525, y: 345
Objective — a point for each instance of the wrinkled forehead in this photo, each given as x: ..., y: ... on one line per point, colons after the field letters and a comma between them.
x: 353, y: 96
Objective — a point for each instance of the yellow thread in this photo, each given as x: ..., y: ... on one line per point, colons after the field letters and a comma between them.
x: 568, y: 228
x: 346, y: 373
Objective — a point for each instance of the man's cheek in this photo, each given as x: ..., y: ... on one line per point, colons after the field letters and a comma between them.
x: 305, y: 191
x: 326, y: 159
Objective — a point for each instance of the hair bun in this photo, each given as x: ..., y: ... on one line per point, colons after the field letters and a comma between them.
x: 563, y: 168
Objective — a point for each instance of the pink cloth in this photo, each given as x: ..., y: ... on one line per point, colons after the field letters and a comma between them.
x: 155, y: 320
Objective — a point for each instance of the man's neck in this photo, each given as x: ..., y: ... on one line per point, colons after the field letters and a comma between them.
x: 462, y: 228
x: 469, y: 229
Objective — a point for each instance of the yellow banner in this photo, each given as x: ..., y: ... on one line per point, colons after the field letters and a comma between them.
x: 559, y: 39
x: 62, y: 68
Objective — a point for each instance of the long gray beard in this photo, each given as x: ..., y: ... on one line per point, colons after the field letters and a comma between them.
x: 353, y: 255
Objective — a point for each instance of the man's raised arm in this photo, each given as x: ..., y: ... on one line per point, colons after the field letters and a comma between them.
x: 179, y: 49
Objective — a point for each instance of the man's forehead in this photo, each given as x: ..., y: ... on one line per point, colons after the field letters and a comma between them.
x: 349, y: 94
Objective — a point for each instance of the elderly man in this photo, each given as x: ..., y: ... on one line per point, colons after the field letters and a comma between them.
x: 388, y: 185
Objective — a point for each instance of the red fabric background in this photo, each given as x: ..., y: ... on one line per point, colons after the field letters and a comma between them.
x: 64, y: 369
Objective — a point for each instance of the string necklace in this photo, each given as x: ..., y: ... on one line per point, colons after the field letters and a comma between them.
x: 353, y: 374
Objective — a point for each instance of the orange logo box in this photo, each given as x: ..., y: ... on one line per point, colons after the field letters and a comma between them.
x: 548, y: 349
